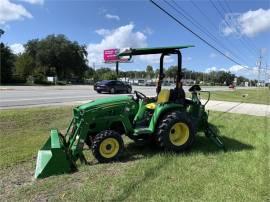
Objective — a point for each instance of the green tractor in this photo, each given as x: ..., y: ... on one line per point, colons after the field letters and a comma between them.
x: 169, y: 120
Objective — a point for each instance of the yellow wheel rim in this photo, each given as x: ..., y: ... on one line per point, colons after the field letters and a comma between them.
x: 109, y: 147
x: 179, y: 134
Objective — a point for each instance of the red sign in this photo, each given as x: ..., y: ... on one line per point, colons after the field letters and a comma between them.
x: 111, y: 55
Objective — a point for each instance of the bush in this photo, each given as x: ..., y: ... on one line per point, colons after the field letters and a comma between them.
x: 61, y: 83
x: 47, y: 83
x: 41, y: 79
x: 30, y: 80
x: 17, y: 79
x: 109, y: 76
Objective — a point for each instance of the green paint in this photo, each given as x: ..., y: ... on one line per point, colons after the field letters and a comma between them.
x: 123, y: 114
x: 156, y: 50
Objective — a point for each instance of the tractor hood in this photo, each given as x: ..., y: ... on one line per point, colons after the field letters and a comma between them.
x: 110, y: 102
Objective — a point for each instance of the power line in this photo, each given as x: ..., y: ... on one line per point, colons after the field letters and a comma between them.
x: 198, y: 36
x: 227, y: 23
x: 230, y: 10
x: 202, y: 13
x: 209, y: 20
x: 200, y: 27
x: 244, y: 40
x: 248, y: 43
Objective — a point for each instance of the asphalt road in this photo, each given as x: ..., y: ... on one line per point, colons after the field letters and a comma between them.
x: 29, y: 96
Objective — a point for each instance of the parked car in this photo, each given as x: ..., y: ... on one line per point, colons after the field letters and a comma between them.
x: 150, y: 83
x: 112, y: 86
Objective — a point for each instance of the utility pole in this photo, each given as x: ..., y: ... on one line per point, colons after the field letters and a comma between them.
x: 259, y: 63
x: 117, y: 67
x: 267, y: 74
x: 1, y: 33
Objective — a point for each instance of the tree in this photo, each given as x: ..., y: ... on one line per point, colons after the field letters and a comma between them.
x: 59, y: 56
x: 241, y: 80
x: 225, y: 77
x: 24, y: 65
x: 109, y: 76
x: 99, y: 74
x: 149, y: 71
x: 1, y: 32
x: 157, y: 73
x: 6, y: 64
x: 172, y: 72
x: 89, y: 73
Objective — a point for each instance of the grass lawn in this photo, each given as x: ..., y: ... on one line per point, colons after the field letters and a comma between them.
x: 255, y: 95
x: 202, y: 174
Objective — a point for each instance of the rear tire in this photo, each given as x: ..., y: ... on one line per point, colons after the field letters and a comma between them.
x: 107, y: 146
x: 98, y: 91
x: 175, y: 132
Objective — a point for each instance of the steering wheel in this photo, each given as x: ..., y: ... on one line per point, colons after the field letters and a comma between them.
x: 140, y: 95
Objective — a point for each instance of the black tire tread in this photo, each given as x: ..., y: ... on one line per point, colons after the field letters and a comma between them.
x: 164, y: 127
x: 97, y: 141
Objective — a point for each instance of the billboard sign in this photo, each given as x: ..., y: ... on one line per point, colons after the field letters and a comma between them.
x: 111, y: 55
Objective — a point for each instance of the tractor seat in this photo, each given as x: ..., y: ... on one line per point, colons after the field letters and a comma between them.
x: 163, y: 97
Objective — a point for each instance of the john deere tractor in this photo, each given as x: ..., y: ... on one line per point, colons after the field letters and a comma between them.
x: 169, y: 120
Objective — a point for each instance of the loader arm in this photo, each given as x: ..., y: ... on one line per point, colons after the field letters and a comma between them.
x: 60, y: 153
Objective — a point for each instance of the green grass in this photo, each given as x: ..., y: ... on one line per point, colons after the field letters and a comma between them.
x: 24, y: 130
x: 256, y: 95
x: 144, y: 174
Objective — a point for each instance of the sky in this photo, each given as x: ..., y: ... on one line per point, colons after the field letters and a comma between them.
x: 239, y: 28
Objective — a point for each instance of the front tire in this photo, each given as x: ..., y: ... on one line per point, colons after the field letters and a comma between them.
x: 175, y: 132
x: 112, y: 90
x: 129, y: 90
x: 107, y: 146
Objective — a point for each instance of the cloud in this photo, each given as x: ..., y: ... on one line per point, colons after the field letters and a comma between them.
x: 246, y: 71
x: 249, y: 23
x: 155, y: 59
x: 235, y: 68
x: 228, y: 54
x: 17, y: 48
x: 103, y: 32
x: 187, y: 59
x: 250, y: 72
x: 121, y: 37
x: 112, y: 17
x: 41, y: 2
x: 148, y: 31
x: 212, y: 55
x: 10, y: 11
x: 210, y: 69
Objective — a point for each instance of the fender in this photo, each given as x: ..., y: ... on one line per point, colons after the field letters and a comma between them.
x: 160, y: 110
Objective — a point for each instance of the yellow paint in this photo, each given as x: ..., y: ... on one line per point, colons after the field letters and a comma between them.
x: 151, y: 105
x: 109, y: 147
x: 179, y: 134
x: 163, y: 97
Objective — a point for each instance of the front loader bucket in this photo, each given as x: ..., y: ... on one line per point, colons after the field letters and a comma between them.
x: 53, y: 158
